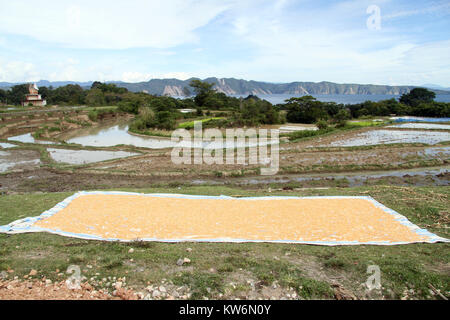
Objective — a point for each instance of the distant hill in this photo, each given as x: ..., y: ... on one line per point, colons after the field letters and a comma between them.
x: 232, y: 86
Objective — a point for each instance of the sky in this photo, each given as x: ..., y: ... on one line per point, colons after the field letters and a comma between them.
x: 393, y: 42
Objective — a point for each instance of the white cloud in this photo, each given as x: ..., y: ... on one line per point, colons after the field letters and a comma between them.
x: 141, y: 77
x: 320, y: 46
x: 175, y: 75
x: 17, y: 71
x: 135, y: 77
x: 109, y: 24
x: 432, y: 9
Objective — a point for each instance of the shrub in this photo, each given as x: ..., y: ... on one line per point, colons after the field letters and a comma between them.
x: 322, y: 125
x: 93, y: 115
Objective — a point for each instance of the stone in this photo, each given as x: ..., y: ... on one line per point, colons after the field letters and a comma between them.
x: 131, y: 250
x: 156, y: 294
x: 33, y: 272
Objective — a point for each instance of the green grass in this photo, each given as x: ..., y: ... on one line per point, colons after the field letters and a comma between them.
x: 190, y: 124
x: 307, y: 269
x: 366, y: 123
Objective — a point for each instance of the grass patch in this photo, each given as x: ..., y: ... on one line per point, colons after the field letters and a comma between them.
x: 190, y: 124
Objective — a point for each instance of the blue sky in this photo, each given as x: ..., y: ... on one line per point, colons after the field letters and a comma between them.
x: 264, y: 40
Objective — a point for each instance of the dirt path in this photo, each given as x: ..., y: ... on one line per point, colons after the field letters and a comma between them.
x: 46, y: 290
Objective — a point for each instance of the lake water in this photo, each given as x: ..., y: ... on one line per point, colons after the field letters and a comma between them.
x: 339, y: 98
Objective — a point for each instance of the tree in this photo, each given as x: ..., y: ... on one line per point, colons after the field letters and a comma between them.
x: 17, y: 94
x: 342, y: 115
x: 305, y: 109
x: 96, y: 98
x: 186, y: 92
x: 3, y: 96
x: 203, y: 90
x: 418, y: 96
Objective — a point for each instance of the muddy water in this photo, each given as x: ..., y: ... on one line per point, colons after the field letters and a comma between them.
x: 375, y: 137
x: 28, y: 138
x: 7, y: 145
x: 437, y: 177
x: 421, y: 126
x: 18, y: 159
x: 112, y: 135
x: 86, y: 156
x: 117, y: 134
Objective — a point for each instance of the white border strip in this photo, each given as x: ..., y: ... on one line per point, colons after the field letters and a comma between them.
x: 26, y: 225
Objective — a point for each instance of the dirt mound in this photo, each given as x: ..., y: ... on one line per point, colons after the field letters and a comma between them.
x: 45, y: 290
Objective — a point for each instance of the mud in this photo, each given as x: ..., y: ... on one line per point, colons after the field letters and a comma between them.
x: 19, y: 160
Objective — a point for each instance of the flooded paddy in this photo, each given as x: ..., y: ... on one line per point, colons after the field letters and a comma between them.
x: 117, y: 134
x: 86, y: 156
x: 19, y: 160
x: 418, y: 177
x: 421, y: 126
x: 294, y: 128
x: 374, y: 137
x: 112, y: 135
x: 7, y: 145
x: 28, y: 138
x: 419, y: 119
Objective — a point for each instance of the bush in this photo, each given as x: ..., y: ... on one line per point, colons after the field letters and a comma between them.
x: 322, y: 125
x: 341, y: 124
x: 93, y: 115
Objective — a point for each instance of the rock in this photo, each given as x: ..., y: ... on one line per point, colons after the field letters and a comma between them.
x: 3, y: 275
x: 48, y: 282
x: 131, y: 250
x: 162, y: 289
x: 156, y: 294
x: 33, y: 272
x: 180, y: 262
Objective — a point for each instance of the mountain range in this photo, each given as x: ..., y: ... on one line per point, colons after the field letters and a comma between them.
x: 232, y: 86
